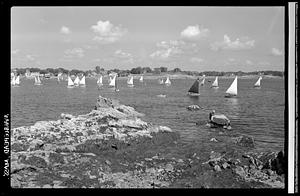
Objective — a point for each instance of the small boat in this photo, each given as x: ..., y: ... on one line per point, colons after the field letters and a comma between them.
x: 99, y: 81
x: 160, y: 81
x: 161, y: 95
x: 112, y: 81
x: 141, y: 79
x: 168, y: 81
x: 70, y: 83
x: 76, y: 81
x: 82, y: 82
x: 195, y: 90
x: 232, y: 90
x: 130, y: 81
x: 215, y: 84
x: 257, y: 84
x: 202, y: 83
x: 37, y: 80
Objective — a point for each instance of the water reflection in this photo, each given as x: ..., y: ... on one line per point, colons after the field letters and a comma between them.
x: 233, y: 106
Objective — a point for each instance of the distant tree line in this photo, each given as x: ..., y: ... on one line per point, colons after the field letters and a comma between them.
x: 143, y: 70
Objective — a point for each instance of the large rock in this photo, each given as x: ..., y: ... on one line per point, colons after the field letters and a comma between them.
x: 193, y: 107
x: 245, y: 141
x: 220, y: 119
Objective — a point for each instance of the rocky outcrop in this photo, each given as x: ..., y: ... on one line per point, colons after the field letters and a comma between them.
x: 245, y: 141
x: 75, y: 151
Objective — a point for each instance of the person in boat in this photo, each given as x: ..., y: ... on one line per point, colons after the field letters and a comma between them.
x: 211, y: 115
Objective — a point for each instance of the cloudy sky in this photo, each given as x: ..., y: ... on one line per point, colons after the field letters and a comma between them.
x: 191, y: 38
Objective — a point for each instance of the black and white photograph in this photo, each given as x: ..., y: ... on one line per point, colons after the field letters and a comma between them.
x: 148, y: 97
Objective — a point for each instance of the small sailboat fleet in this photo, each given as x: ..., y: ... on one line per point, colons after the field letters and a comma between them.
x: 257, y: 84
x: 130, y: 81
x: 195, y: 88
x: 215, y: 84
x: 232, y: 90
x: 37, y: 80
x: 168, y: 81
x: 15, y: 81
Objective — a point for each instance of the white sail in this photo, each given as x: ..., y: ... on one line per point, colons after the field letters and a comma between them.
x: 130, y: 80
x: 141, y: 79
x: 70, y: 82
x: 38, y: 79
x: 202, y: 83
x: 76, y: 81
x: 17, y: 81
x: 35, y: 80
x: 257, y: 84
x: 99, y: 81
x: 215, y: 83
x: 113, y: 81
x: 160, y: 81
x: 82, y: 81
x: 168, y: 81
x: 13, y: 81
x: 232, y: 90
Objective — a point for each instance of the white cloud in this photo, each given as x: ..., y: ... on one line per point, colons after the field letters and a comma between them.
x: 173, y: 48
x: 196, y: 60
x: 75, y: 52
x: 194, y: 32
x: 238, y: 44
x: 276, y: 52
x: 107, y: 32
x: 65, y: 30
x: 231, y: 59
x: 264, y: 63
x: 30, y: 57
x: 121, y: 54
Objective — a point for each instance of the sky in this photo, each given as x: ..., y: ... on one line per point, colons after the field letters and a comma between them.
x: 193, y: 38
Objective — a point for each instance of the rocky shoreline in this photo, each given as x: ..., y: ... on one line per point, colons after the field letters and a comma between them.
x: 111, y: 147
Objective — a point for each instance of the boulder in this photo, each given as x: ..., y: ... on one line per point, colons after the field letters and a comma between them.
x: 220, y: 119
x: 193, y: 107
x: 103, y: 102
x: 245, y: 141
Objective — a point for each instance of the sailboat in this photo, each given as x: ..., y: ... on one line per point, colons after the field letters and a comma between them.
x: 160, y: 81
x: 15, y: 81
x: 76, y: 81
x: 202, y: 83
x: 195, y: 90
x: 257, y: 84
x: 37, y: 80
x: 168, y: 82
x: 70, y: 82
x: 215, y: 84
x: 82, y: 82
x: 141, y: 79
x: 99, y: 81
x: 130, y: 81
x: 232, y: 90
x: 112, y: 82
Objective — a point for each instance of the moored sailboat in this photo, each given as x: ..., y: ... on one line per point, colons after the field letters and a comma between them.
x: 160, y: 81
x: 141, y: 79
x: 215, y: 84
x: 195, y: 90
x: 257, y: 84
x: 82, y: 82
x: 168, y: 81
x: 232, y: 90
x: 99, y: 81
x: 70, y: 83
x: 202, y: 83
x: 112, y: 82
x: 76, y: 81
x: 130, y: 81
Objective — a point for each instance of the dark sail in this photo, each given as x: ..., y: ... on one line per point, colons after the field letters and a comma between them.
x: 195, y: 87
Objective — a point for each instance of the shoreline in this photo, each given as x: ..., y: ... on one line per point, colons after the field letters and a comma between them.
x: 111, y: 147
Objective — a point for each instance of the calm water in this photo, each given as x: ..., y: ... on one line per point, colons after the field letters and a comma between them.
x: 255, y: 112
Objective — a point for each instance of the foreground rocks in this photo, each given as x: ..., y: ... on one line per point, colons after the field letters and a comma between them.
x: 111, y: 147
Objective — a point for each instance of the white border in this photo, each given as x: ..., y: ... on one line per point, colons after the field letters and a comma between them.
x: 291, y: 99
